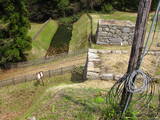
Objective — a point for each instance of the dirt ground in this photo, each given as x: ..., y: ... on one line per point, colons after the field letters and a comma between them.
x: 118, y: 63
x: 45, y: 67
x: 87, y: 84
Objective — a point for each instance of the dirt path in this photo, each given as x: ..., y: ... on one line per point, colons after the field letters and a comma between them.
x: 77, y: 60
x: 88, y: 84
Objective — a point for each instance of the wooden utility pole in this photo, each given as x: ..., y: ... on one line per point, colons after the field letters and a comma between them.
x: 137, y: 47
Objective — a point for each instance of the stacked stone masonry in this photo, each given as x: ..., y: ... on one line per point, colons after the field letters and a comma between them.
x: 94, y: 66
x: 115, y: 32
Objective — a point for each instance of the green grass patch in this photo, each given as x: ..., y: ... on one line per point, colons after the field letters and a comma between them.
x: 83, y: 104
x: 157, y: 70
x: 111, y: 47
x: 117, y: 15
x: 70, y: 104
x: 42, y: 42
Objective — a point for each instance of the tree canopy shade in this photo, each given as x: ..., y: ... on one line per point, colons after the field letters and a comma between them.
x: 13, y: 35
x: 41, y: 10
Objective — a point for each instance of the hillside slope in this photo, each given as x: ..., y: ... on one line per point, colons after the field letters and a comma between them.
x: 42, y: 42
x: 80, y: 34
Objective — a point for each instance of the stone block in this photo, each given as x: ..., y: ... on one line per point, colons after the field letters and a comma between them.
x: 93, y: 69
x: 126, y: 30
x: 106, y: 29
x: 105, y: 51
x: 93, y: 75
x: 92, y: 50
x: 94, y: 60
x: 125, y: 35
x: 129, y: 42
x: 118, y: 32
x: 107, y: 76
x: 116, y: 41
x: 102, y: 43
x: 125, y: 38
x: 158, y: 44
x: 90, y: 69
x: 92, y: 55
x: 157, y: 53
x: 118, y: 52
x: 117, y: 77
x: 124, y: 52
x: 90, y: 64
x: 112, y: 31
x: 151, y: 53
x: 131, y: 33
x: 100, y: 29
x: 97, y: 70
x: 114, y: 27
x: 124, y: 43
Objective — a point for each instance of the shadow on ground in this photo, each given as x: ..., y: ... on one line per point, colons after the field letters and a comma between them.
x: 61, y: 39
x: 77, y: 75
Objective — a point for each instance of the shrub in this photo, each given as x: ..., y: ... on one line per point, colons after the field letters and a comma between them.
x: 107, y: 8
x: 112, y: 113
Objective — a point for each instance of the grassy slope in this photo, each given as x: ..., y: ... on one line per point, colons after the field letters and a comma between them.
x: 35, y: 27
x: 82, y: 28
x: 71, y: 104
x: 60, y: 41
x: 41, y: 44
x: 77, y: 103
x: 80, y: 34
x: 16, y: 100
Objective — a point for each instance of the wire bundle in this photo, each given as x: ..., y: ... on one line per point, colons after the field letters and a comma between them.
x: 131, y: 85
x: 144, y: 93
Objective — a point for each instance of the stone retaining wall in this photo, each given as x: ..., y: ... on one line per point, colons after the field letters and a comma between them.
x: 93, y: 64
x: 115, y: 32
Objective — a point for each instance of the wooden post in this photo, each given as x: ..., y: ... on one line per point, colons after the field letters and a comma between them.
x: 61, y: 71
x: 137, y: 47
x: 49, y: 73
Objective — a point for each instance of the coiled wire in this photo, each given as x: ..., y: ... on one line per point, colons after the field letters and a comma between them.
x: 147, y: 89
x: 131, y: 85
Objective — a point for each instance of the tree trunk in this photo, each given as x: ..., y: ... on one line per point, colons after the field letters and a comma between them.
x: 137, y: 47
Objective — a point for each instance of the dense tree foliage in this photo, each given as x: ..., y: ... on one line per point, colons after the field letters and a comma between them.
x: 13, y: 34
x: 14, y: 23
x: 41, y: 10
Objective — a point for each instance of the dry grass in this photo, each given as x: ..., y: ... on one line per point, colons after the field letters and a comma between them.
x: 118, y: 63
x: 17, y: 100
